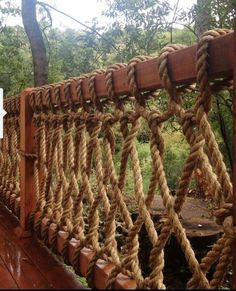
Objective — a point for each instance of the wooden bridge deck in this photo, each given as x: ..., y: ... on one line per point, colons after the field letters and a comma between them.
x: 26, y: 264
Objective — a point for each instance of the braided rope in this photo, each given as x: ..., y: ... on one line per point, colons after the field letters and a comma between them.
x: 80, y: 188
x: 9, y: 154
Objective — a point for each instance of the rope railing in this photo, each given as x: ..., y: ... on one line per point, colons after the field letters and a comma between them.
x: 10, y: 157
x: 83, y: 209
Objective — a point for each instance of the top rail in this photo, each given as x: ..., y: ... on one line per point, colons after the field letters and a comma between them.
x: 181, y: 65
x: 182, y: 70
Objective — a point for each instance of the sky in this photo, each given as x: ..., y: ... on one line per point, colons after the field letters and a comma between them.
x: 82, y: 10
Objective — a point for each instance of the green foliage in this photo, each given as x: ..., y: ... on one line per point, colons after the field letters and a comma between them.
x: 176, y: 152
x: 135, y: 28
x: 220, y: 13
x: 222, y: 123
x: 16, y: 68
x: 183, y: 36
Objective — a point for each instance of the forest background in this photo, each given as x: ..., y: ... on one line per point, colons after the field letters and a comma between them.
x: 136, y: 27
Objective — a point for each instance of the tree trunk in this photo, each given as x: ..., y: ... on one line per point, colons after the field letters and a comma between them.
x: 203, y: 16
x: 37, y: 45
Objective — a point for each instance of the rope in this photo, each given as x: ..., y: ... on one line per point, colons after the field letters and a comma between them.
x: 82, y: 189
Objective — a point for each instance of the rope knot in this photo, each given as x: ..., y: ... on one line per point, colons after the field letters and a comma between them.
x: 225, y: 211
x: 109, y: 119
x: 154, y: 118
x: 189, y: 116
x: 129, y: 117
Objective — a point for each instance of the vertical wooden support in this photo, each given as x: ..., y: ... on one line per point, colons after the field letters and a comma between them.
x: 27, y: 146
x: 234, y: 155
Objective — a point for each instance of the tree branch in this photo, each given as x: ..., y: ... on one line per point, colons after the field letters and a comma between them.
x: 65, y: 14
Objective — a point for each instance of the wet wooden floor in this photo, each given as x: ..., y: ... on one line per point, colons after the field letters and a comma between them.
x: 26, y: 264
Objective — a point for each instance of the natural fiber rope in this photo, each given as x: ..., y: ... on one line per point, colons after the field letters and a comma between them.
x: 9, y: 156
x: 79, y: 189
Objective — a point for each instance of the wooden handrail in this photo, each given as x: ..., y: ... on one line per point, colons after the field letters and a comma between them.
x: 181, y: 65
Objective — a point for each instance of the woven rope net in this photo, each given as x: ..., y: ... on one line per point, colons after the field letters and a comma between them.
x: 88, y: 179
x: 10, y: 156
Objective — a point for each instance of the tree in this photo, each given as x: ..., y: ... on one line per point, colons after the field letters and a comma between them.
x: 138, y: 26
x: 203, y: 16
x: 209, y: 14
x: 15, y: 59
x: 37, y: 45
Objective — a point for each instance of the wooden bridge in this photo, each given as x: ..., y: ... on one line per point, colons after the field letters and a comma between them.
x: 63, y: 177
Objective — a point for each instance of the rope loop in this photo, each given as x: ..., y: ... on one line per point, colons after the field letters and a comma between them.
x: 129, y: 117
x: 92, y: 89
x: 55, y: 97
x: 133, y: 87
x: 78, y: 83
x: 174, y: 94
x: 46, y: 97
x: 204, y: 98
x: 222, y: 213
x: 109, y: 82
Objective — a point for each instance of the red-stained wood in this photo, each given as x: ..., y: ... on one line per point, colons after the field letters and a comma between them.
x: 52, y: 271
x: 102, y: 268
x: 85, y: 257
x: 6, y: 280
x: 124, y: 282
x: 12, y: 202
x: 27, y: 146
x: 72, y: 248
x: 21, y: 268
x: 181, y: 69
x: 62, y: 236
x: 51, y: 232
x: 44, y: 225
x: 17, y: 206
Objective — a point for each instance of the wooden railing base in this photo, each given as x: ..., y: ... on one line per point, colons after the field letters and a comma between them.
x: 102, y: 268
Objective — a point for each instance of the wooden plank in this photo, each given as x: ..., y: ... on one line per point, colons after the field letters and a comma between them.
x: 50, y: 268
x: 19, y: 264
x: 6, y: 280
x: 181, y: 65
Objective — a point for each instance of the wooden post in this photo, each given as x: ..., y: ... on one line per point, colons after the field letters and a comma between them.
x: 27, y: 146
x: 234, y: 155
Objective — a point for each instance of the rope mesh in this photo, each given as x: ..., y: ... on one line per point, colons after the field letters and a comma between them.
x: 83, y: 191
x: 10, y: 156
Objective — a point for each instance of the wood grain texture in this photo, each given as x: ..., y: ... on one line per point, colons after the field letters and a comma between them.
x: 29, y: 262
x: 6, y: 280
x: 27, y: 146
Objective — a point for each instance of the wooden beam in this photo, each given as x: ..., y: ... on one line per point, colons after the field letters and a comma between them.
x: 181, y: 65
x: 27, y: 146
